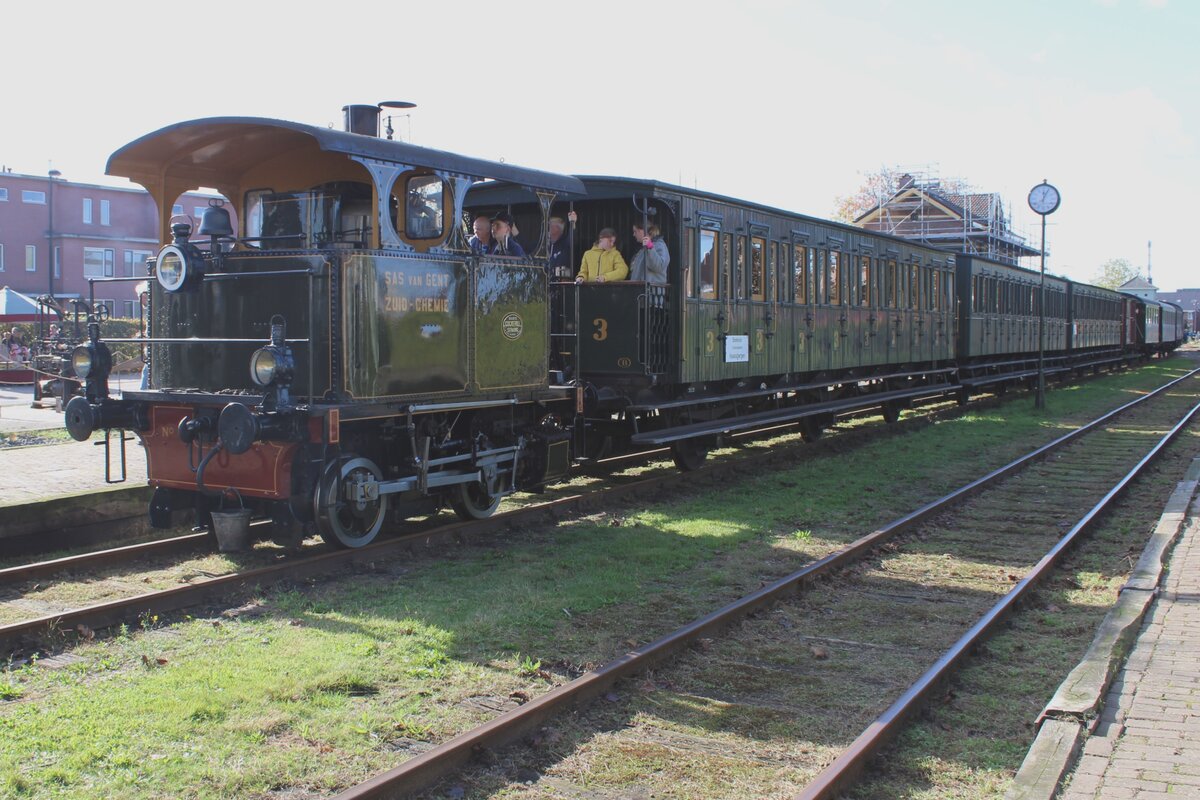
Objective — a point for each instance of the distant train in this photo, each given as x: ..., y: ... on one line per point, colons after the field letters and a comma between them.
x: 345, y: 356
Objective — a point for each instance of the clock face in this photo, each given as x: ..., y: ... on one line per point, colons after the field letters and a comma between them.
x: 1044, y: 198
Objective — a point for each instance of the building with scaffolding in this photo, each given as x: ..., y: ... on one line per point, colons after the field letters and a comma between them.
x: 948, y: 215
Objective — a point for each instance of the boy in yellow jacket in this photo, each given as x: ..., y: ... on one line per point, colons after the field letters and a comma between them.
x: 603, y: 262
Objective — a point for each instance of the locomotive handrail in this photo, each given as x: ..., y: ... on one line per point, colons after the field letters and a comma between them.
x: 197, y: 340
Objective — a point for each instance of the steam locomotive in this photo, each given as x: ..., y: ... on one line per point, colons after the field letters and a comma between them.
x: 343, y: 356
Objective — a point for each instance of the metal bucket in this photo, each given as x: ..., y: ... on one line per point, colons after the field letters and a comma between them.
x: 232, y: 529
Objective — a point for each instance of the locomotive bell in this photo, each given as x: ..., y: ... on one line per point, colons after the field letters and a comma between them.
x: 215, y: 222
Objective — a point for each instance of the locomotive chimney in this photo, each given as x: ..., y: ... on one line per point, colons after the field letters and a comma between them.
x: 361, y: 119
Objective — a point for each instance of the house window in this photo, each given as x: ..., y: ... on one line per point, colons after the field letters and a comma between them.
x: 58, y: 262
x: 709, y: 289
x: 98, y: 262
x: 105, y: 212
x: 3, y: 195
x: 135, y: 259
x: 87, y: 211
x: 28, y: 196
x: 177, y: 208
x: 127, y: 310
x: 1, y: 258
x: 30, y: 257
x: 111, y: 306
x: 199, y: 211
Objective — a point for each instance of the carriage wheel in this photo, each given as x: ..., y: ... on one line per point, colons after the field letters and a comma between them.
x: 471, y: 501
x: 891, y: 413
x: 689, y: 454
x: 342, y: 520
x: 810, y: 429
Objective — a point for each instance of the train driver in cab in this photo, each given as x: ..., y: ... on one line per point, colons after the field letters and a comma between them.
x: 603, y: 263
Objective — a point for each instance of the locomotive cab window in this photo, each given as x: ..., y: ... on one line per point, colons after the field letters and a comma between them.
x: 330, y: 213
x: 423, y: 214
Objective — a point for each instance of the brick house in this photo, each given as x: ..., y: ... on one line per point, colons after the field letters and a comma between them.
x: 98, y: 231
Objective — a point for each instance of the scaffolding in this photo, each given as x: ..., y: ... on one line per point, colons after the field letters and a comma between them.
x: 947, y: 214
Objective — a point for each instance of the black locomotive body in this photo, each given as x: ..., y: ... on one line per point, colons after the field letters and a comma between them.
x: 346, y: 354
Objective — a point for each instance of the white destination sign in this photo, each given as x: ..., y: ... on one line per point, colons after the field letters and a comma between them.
x: 737, y: 348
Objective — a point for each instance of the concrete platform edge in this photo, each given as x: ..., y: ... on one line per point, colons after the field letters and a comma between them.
x: 1066, y: 719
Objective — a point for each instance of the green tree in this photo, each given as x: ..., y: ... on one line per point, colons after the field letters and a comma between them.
x: 1115, y: 272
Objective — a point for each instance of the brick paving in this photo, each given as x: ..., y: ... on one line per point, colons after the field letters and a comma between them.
x: 42, y: 472
x: 1147, y: 742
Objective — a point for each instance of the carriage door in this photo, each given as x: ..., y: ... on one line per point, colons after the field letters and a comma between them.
x: 708, y: 322
x: 761, y: 309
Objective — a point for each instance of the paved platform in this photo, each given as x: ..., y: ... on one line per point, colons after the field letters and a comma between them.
x: 1126, y: 722
x: 28, y: 474
x: 1147, y: 741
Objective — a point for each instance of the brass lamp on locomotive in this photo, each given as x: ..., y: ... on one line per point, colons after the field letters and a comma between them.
x: 344, y: 353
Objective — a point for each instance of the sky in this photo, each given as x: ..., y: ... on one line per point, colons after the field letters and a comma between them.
x: 787, y: 104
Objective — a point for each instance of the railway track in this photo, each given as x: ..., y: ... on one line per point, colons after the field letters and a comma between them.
x: 272, y: 564
x: 1018, y: 520
x: 932, y: 410
x: 60, y: 623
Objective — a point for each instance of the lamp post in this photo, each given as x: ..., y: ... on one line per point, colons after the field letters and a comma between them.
x: 1044, y: 199
x: 53, y: 175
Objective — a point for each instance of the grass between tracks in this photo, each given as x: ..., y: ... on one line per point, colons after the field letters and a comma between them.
x: 306, y: 690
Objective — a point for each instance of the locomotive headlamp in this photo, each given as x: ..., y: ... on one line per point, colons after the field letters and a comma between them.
x: 81, y: 361
x: 264, y: 365
x: 273, y: 364
x: 174, y: 267
x: 91, y: 360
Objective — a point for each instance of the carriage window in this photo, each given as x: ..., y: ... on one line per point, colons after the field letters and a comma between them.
x: 889, y: 289
x: 835, y: 278
x: 929, y: 289
x: 708, y: 266
x: 864, y: 267
x: 739, y: 272
x: 800, y: 272
x: 423, y: 211
x: 727, y: 261
x: 758, y: 271
x: 782, y: 263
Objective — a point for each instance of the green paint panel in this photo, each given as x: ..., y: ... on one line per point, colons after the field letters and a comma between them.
x: 511, y: 326
x: 405, y: 325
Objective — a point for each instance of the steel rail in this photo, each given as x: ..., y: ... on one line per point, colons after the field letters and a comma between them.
x: 196, y: 541
x: 844, y: 770
x: 422, y: 771
x: 128, y: 609
x: 99, y: 558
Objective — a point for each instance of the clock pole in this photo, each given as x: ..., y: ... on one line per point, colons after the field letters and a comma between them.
x: 1040, y: 399
x: 1043, y: 199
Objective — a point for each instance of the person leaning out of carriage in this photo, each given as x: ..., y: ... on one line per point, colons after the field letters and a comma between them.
x: 652, y: 258
x: 603, y: 263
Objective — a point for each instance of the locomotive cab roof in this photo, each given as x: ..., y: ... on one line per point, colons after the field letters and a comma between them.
x: 238, y: 154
